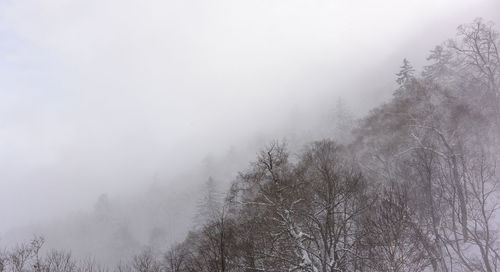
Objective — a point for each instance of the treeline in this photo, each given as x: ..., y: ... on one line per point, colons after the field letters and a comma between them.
x: 415, y: 190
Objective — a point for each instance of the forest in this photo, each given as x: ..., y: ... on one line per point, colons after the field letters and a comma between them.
x: 412, y: 186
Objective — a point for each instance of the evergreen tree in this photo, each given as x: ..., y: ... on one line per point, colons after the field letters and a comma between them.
x: 209, y: 204
x: 406, y: 73
x: 344, y: 122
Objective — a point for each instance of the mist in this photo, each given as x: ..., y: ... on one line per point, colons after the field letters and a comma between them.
x: 116, y: 97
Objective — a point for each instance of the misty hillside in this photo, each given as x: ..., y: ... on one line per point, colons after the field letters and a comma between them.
x: 416, y: 189
x: 244, y: 136
x: 411, y: 186
x: 118, y: 227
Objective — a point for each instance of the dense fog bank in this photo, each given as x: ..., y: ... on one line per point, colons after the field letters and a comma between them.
x: 103, y: 96
x: 232, y: 136
x: 410, y: 186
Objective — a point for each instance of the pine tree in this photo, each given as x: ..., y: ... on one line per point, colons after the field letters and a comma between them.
x: 406, y: 73
x: 344, y: 122
x: 210, y: 203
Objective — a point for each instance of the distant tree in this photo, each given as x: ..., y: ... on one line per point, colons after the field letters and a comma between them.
x: 343, y: 122
x: 102, y: 207
x: 176, y: 259
x: 210, y: 204
x: 59, y: 261
x: 406, y: 73
x: 36, y: 245
x: 122, y: 240
x: 145, y: 262
x: 478, y: 49
x: 90, y: 265
x: 20, y: 257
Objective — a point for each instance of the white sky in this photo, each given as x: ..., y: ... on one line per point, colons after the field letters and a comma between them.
x: 99, y: 95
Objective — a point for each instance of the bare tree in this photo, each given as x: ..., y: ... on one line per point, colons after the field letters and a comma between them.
x: 334, y: 202
x: 145, y: 262
x: 393, y: 242
x: 19, y: 257
x: 59, y: 261
x: 477, y: 49
x: 175, y: 259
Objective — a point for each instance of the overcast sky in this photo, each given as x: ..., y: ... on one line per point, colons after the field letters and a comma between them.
x: 100, y: 95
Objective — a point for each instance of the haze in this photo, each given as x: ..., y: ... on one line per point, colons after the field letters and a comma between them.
x: 110, y: 96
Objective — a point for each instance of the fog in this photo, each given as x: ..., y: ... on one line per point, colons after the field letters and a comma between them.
x: 109, y: 97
